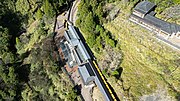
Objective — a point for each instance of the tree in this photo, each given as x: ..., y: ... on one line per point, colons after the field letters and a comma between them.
x: 99, y: 12
x: 98, y: 44
x: 111, y: 43
x: 8, y: 84
x: 39, y: 14
x: 48, y: 9
x: 8, y: 57
x: 89, y: 24
x: 91, y: 40
x: 71, y: 96
x: 23, y: 6
x: 57, y: 4
x: 4, y: 40
x: 94, y: 4
x: 83, y: 10
x: 19, y: 45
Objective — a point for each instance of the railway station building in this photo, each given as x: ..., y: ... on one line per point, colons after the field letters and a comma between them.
x: 144, y: 15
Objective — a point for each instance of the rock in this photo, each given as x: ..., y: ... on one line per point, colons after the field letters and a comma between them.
x: 113, y: 11
x: 159, y: 95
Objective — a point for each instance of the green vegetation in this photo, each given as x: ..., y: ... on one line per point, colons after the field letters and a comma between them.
x: 29, y: 62
x: 90, y: 18
x: 131, y: 58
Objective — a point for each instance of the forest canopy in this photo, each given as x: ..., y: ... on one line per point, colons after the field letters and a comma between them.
x: 29, y: 68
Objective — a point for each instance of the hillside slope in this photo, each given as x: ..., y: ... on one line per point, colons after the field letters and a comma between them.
x: 150, y: 68
x: 136, y: 64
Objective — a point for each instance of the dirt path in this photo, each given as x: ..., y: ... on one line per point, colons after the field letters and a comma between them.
x: 32, y: 25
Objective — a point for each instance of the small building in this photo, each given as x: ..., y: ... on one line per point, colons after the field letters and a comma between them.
x: 143, y: 14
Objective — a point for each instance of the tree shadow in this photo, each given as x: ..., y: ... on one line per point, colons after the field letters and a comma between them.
x: 119, y: 70
x: 77, y: 89
x: 13, y: 21
x: 23, y: 72
x: 178, y: 96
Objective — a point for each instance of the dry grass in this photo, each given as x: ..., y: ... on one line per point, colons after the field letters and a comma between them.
x: 147, y: 64
x: 97, y: 95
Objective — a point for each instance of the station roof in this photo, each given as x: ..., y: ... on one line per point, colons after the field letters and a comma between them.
x: 73, y: 32
x: 86, y: 73
x: 163, y: 25
x: 144, y: 7
x: 75, y: 42
x: 82, y: 52
x: 167, y: 27
x: 65, y: 50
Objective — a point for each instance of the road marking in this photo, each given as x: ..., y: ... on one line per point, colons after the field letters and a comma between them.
x: 104, y: 81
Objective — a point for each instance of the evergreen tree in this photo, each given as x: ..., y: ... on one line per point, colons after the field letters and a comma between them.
x: 89, y: 24
x: 39, y: 14
x: 48, y: 9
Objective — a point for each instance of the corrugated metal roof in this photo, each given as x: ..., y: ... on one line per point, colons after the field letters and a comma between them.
x: 80, y: 54
x: 78, y: 57
x: 147, y: 21
x: 152, y: 13
x: 71, y: 36
x: 65, y: 50
x: 83, y: 51
x: 73, y: 32
x: 176, y: 28
x: 63, y: 47
x: 74, y: 42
